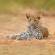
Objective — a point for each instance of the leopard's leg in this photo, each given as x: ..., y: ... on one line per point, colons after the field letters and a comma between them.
x: 39, y: 35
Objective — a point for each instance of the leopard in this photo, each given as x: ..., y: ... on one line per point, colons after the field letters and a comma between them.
x: 34, y: 29
x: 37, y: 30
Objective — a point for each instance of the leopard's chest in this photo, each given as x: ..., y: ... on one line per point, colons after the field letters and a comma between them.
x: 34, y: 30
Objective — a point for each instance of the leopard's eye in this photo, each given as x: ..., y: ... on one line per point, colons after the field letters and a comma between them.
x: 38, y: 18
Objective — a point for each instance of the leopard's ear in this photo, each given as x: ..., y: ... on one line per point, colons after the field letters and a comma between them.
x: 27, y: 16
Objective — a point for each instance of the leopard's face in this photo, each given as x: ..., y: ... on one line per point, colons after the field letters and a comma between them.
x: 33, y: 19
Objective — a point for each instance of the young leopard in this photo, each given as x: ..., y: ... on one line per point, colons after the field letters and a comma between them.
x: 38, y: 31
x: 34, y: 30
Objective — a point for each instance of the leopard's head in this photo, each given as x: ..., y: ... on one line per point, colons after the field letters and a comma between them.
x: 32, y: 19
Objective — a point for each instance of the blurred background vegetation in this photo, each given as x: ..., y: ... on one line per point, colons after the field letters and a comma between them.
x: 39, y: 4
x: 13, y: 7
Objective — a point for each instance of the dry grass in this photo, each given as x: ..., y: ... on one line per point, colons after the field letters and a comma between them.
x: 34, y: 47
x: 17, y: 23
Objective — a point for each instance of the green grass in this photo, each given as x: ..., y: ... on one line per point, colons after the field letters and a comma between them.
x: 40, y: 4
